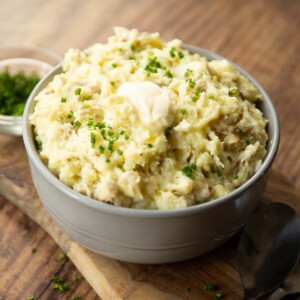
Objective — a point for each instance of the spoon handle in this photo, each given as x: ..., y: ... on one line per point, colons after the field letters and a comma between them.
x: 280, y: 293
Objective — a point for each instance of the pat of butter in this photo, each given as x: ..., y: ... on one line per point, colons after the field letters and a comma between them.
x: 151, y: 102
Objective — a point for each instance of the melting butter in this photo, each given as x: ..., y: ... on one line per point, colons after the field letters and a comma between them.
x: 150, y: 101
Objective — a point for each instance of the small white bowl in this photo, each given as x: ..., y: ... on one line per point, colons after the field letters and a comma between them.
x: 27, y: 59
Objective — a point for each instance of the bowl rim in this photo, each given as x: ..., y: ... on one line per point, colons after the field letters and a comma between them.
x: 146, y: 213
x: 24, y: 46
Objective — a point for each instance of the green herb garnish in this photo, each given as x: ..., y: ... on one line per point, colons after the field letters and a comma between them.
x: 236, y: 177
x: 33, y: 250
x: 211, y: 97
x: 120, y: 152
x: 172, y: 52
x: 110, y: 146
x: 126, y: 137
x: 63, y: 100
x: 75, y: 297
x: 209, y: 287
x: 15, y: 90
x: 62, y: 287
x: 219, y: 172
x: 31, y: 298
x: 180, y: 55
x: 218, y: 296
x: 183, y: 111
x: 189, y: 170
x: 187, y: 73
x: 77, y: 91
x: 76, y: 124
x: 100, y: 125
x: 107, y: 160
x: 101, y: 149
x: 150, y: 145
x: 152, y: 65
x: 114, y: 65
x: 62, y: 256
x: 169, y: 74
x: 192, y: 83
x: 121, y: 132
x: 70, y: 115
x: 93, y: 139
x: 233, y: 92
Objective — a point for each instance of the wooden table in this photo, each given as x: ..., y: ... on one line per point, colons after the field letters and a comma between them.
x: 261, y: 36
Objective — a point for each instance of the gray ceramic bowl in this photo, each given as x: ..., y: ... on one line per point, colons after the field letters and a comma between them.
x: 144, y: 236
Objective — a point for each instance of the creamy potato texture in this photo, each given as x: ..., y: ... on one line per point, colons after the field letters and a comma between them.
x: 141, y: 123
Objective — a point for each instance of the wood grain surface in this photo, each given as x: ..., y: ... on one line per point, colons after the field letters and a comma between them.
x: 260, y: 36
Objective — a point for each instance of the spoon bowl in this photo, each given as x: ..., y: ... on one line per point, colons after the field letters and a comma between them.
x: 268, y: 249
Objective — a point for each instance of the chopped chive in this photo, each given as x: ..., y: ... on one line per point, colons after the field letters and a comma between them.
x: 110, y: 146
x: 183, y: 111
x: 197, y: 92
x: 102, y: 131
x: 70, y: 115
x: 180, y: 55
x: 100, y: 125
x: 85, y: 98
x: 77, y: 91
x: 218, y: 296
x: 62, y: 256
x: 209, y: 287
x: 152, y: 65
x: 101, y: 149
x: 121, y: 132
x: 107, y: 160
x: 31, y: 298
x: 93, y: 139
x: 33, y: 250
x: 236, y: 177
x: 114, y: 65
x: 90, y: 123
x: 63, y: 100
x: 187, y: 73
x: 76, y: 278
x: 110, y: 133
x: 219, y: 172
x: 189, y: 170
x: 112, y: 83
x: 62, y: 287
x: 233, y: 92
x: 76, y: 124
x: 126, y: 137
x: 75, y: 297
x: 211, y: 97
x: 169, y: 74
x: 192, y: 83
x: 172, y: 52
x: 150, y: 145
x: 120, y: 152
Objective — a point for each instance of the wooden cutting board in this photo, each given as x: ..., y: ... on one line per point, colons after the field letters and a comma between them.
x: 112, y: 279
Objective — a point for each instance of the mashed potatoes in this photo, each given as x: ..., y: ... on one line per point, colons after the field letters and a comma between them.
x: 141, y: 123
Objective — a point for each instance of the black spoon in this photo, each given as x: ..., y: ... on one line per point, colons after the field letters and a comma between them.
x: 269, y: 249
